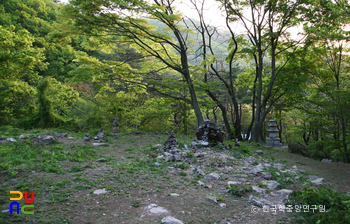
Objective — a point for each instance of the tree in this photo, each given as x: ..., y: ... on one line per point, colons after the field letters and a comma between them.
x: 120, y: 18
x: 267, y: 28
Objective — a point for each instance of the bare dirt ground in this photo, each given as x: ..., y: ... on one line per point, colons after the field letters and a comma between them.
x: 133, y: 182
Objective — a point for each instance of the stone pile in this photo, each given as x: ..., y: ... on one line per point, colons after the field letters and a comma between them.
x: 210, y: 131
x: 115, y: 125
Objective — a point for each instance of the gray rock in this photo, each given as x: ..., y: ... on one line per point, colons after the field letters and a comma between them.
x: 167, y: 154
x: 48, y: 140
x: 171, y: 220
x: 212, y: 176
x: 98, y: 144
x: 318, y: 181
x: 177, y: 157
x: 174, y: 195
x: 250, y: 159
x: 158, y: 146
x: 100, y: 191
x: 259, y: 201
x: 101, y: 160
x: 5, y: 211
x: 259, y: 190
x: 257, y: 169
x: 11, y: 139
x: 284, y: 192
x: 70, y: 138
x: 294, y: 167
x: 60, y: 135
x: 101, y: 135
x: 313, y: 177
x: 200, y: 183
x: 222, y: 205
x: 154, y: 209
x: 238, y: 155
x: 258, y: 152
x: 199, y: 172
x: 21, y: 137
x: 326, y: 160
x: 273, y: 186
x: 267, y: 177
x: 203, y: 143
x: 157, y: 164
x: 301, y: 171
x: 87, y: 138
x: 233, y: 183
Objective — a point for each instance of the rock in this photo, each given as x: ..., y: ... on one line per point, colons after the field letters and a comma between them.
x: 274, y: 185
x: 257, y: 169
x: 237, y: 143
x: 21, y: 137
x: 284, y: 192
x: 159, y: 146
x: 209, y: 186
x: 267, y: 177
x: 171, y: 220
x: 301, y: 171
x: 233, y: 183
x: 259, y: 190
x: 100, y: 191
x: 313, y: 177
x: 96, y: 138
x: 318, y: 181
x: 212, y: 199
x: 210, y: 131
x: 238, y: 155
x: 98, y: 144
x: 154, y: 209
x: 259, y: 201
x: 48, y: 140
x: 115, y: 125
x: 203, y: 143
x: 5, y: 211
x: 222, y: 205
x: 177, y: 157
x: 87, y: 138
x: 250, y: 159
x: 326, y: 160
x: 167, y: 154
x: 157, y: 164
x: 258, y: 152
x: 212, y: 176
x: 101, y: 160
x: 101, y: 135
x: 174, y: 195
x: 70, y: 138
x: 199, y: 172
x: 200, y: 183
x: 294, y: 167
x: 60, y: 135
x: 11, y: 139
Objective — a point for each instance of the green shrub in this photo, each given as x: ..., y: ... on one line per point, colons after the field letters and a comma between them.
x: 337, y: 205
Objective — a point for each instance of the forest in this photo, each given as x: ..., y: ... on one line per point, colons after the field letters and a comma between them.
x: 77, y: 65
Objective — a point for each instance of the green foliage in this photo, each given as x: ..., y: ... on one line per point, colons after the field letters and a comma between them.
x: 283, y: 178
x: 337, y: 205
x: 239, y: 190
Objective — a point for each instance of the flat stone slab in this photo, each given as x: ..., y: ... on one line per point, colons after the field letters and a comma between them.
x: 233, y: 183
x: 100, y: 191
x: 171, y: 220
x: 318, y: 181
x: 259, y: 190
x: 212, y: 176
x: 174, y: 195
x: 154, y: 209
x: 259, y: 201
x: 284, y: 192
x: 98, y: 144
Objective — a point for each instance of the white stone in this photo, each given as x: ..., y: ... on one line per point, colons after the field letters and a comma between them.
x: 233, y: 183
x: 259, y: 190
x: 171, y: 220
x: 154, y: 209
x: 174, y: 195
x: 222, y: 205
x: 48, y: 140
x: 212, y: 176
x: 200, y: 183
x: 11, y: 139
x: 98, y: 144
x: 284, y: 192
x: 70, y: 138
x: 318, y: 181
x: 100, y: 191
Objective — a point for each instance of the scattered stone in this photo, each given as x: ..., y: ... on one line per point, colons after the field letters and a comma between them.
x: 294, y: 167
x: 154, y: 209
x: 159, y: 146
x: 210, y: 131
x: 212, y: 199
x: 257, y: 169
x: 318, y: 181
x: 87, y: 138
x: 174, y: 195
x: 212, y: 176
x: 238, y: 155
x: 326, y: 160
x: 5, y: 211
x: 313, y: 177
x: 100, y: 191
x: 284, y: 192
x: 11, y: 139
x: 101, y: 160
x: 70, y: 138
x: 274, y: 185
x: 199, y: 172
x: 60, y: 135
x: 203, y: 143
x: 258, y: 152
x: 171, y: 220
x: 21, y: 137
x: 250, y: 159
x: 157, y: 164
x: 115, y: 125
x: 267, y: 177
x: 222, y: 205
x: 46, y: 140
x: 98, y: 144
x: 301, y: 171
x: 200, y: 183
x: 259, y: 190
x: 209, y: 186
x: 233, y: 183
x: 259, y: 201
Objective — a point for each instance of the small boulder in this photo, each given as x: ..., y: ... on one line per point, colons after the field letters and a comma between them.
x: 48, y: 140
x: 212, y: 176
x: 199, y: 172
x: 100, y: 191
x: 11, y: 139
x: 171, y: 220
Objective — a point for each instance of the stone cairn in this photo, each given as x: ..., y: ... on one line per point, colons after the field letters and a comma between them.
x: 210, y: 131
x: 171, y: 145
x: 115, y: 125
x: 272, y: 140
